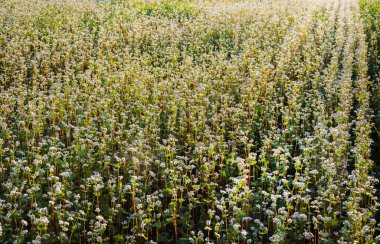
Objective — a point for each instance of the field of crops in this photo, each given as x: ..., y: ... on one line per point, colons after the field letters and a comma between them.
x: 188, y: 121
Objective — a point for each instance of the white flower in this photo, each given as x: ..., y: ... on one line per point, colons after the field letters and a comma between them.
x: 24, y: 222
x: 308, y: 235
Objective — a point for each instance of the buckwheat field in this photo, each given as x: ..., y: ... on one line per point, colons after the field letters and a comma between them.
x: 189, y: 121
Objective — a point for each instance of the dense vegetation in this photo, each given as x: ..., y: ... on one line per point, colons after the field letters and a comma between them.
x: 188, y: 121
x: 370, y: 11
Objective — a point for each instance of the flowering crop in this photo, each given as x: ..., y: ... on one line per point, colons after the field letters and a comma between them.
x: 185, y: 122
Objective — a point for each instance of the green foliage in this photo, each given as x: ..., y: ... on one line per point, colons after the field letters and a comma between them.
x: 370, y: 11
x: 169, y: 9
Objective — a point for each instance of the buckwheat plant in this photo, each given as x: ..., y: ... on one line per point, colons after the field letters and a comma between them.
x: 188, y: 121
